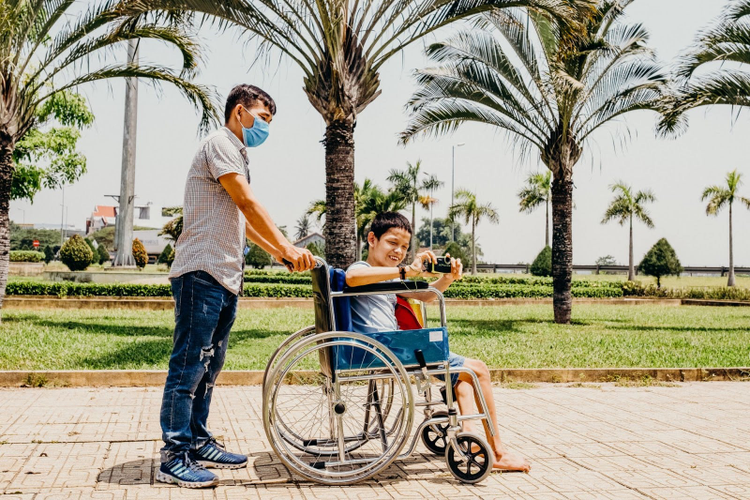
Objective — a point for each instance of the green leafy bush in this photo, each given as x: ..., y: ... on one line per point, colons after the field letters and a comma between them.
x: 102, y: 254
x: 455, y: 251
x: 542, y: 265
x: 139, y: 254
x: 257, y: 257
x: 76, y: 254
x: 26, y: 256
x: 660, y: 261
x: 164, y: 256
x: 49, y: 254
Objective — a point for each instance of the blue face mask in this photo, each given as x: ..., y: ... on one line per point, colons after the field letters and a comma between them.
x: 255, y: 135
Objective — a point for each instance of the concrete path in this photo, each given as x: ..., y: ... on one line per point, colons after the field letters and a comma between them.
x: 600, y: 442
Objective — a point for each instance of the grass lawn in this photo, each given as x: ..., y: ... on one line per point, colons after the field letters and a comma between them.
x: 512, y: 336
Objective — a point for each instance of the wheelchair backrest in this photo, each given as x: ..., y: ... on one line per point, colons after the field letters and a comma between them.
x: 325, y: 280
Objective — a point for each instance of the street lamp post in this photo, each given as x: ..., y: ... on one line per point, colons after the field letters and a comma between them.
x: 453, y: 183
x: 62, y: 218
x: 431, y: 202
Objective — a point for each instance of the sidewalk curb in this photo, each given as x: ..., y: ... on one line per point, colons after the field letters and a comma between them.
x: 154, y: 378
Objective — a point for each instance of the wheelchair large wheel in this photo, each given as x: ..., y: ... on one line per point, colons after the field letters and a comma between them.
x: 384, y: 388
x: 282, y: 349
x: 328, y: 425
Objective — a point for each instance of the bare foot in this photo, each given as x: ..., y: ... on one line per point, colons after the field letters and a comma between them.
x: 511, y: 462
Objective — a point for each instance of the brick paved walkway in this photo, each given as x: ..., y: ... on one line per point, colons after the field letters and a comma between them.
x: 689, y: 441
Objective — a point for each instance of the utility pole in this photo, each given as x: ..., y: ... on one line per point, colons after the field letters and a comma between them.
x: 124, y: 228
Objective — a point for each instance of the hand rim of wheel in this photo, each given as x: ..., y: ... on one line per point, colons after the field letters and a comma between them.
x: 311, y: 344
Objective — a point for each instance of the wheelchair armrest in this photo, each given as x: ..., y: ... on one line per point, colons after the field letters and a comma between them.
x: 388, y: 287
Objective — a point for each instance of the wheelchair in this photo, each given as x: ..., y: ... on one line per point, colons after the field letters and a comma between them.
x: 338, y: 406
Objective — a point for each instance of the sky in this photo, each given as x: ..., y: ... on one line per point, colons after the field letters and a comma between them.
x: 288, y: 170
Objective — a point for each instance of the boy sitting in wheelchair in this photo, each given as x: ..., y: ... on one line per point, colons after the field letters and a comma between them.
x: 388, y: 240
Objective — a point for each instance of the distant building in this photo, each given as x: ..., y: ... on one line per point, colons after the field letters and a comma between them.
x: 316, y: 238
x: 101, y: 217
x: 148, y: 215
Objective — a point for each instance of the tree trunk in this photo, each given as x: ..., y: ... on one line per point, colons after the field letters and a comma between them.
x: 473, y: 249
x: 6, y: 177
x: 730, y: 280
x: 562, y: 245
x: 124, y: 229
x: 359, y: 247
x: 546, y: 224
x: 631, y: 268
x: 340, y: 228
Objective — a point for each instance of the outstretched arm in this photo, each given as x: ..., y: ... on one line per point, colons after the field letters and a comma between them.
x: 260, y: 221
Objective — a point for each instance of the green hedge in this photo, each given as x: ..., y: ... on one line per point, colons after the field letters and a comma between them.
x: 457, y: 291
x: 637, y: 289
x: 66, y: 289
x: 305, y: 278
x: 290, y: 279
x: 26, y: 256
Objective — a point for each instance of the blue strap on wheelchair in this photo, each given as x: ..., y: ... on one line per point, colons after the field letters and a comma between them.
x: 341, y: 305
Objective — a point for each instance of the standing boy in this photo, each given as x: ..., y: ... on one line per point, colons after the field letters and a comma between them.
x: 219, y: 212
x: 388, y: 240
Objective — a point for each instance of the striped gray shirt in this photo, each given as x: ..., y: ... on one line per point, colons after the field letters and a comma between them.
x: 213, y: 234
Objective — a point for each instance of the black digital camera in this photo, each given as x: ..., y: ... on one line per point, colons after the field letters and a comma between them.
x: 443, y: 266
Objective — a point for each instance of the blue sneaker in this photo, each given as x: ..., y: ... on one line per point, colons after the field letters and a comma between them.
x: 213, y: 456
x: 186, y: 472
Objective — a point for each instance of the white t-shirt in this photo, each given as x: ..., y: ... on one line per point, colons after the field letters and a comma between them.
x: 373, y: 313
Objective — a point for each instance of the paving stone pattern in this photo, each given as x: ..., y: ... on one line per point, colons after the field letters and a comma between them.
x: 690, y: 441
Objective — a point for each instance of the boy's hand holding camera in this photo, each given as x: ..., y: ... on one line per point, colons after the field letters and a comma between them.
x: 426, y: 261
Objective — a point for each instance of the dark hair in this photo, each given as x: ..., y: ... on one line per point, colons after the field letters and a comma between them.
x: 247, y: 95
x: 388, y: 220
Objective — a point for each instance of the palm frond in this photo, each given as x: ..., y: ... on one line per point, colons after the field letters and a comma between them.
x: 202, y: 97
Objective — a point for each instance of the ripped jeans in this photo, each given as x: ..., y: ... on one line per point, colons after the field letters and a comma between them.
x: 204, y: 314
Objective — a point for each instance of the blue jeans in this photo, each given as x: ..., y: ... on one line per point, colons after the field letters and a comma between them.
x: 204, y: 314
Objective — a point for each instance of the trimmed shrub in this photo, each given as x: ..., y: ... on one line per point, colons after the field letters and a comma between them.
x: 139, y: 254
x: 660, y: 261
x: 164, y: 255
x: 26, y: 256
x: 102, y: 254
x: 76, y: 254
x: 455, y: 251
x: 91, y: 245
x: 49, y: 254
x: 542, y: 265
x: 170, y: 257
x: 257, y: 257
x: 316, y: 250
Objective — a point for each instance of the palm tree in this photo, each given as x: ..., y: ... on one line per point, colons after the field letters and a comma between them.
x: 47, y: 48
x: 303, y: 226
x: 468, y: 208
x: 538, y: 190
x: 719, y: 197
x: 340, y: 46
x: 624, y: 207
x: 408, y: 185
x: 547, y: 85
x: 728, y: 40
x: 370, y: 200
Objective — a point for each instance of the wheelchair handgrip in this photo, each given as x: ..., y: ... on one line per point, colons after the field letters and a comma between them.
x: 420, y: 358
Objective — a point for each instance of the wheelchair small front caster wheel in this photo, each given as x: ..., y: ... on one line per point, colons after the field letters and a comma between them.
x: 472, y: 462
x: 435, y: 437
